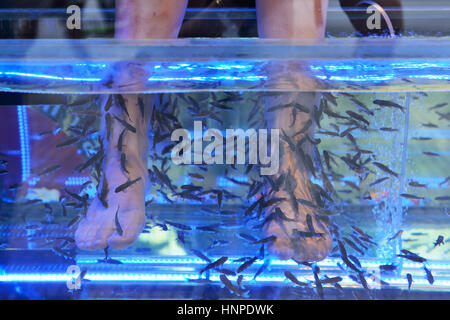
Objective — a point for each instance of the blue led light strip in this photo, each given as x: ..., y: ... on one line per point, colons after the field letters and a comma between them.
x: 183, y: 277
x: 24, y: 141
x: 45, y: 76
x: 275, y: 262
x: 208, y: 78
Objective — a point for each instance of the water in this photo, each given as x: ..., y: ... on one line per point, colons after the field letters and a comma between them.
x: 94, y: 66
x: 57, y: 90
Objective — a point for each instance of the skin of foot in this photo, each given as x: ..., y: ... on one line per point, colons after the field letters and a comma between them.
x: 127, y: 162
x: 291, y: 19
x: 287, y: 243
x: 118, y: 225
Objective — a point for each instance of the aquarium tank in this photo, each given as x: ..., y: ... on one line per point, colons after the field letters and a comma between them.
x: 224, y: 149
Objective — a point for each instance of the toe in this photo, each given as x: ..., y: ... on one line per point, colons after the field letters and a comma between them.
x: 117, y: 241
x: 132, y: 223
x: 129, y: 235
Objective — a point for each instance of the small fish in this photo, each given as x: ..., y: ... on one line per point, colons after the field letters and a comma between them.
x: 141, y: 107
x: 421, y: 138
x: 443, y: 198
x: 347, y: 131
x: 429, y: 275
x: 439, y: 241
x: 122, y: 104
x: 378, y: 181
x: 330, y: 98
x: 262, y: 268
x: 228, y: 272
x: 73, y: 221
x: 212, y: 229
x: 440, y: 105
x: 127, y: 184
x: 388, y: 267
x: 445, y: 181
x: 82, y: 275
x: 279, y: 107
x: 68, y: 142
x: 388, y: 129
x: 357, y: 116
x: 418, y: 234
x: 309, y: 223
x: 239, y: 280
x: 220, y: 106
x: 417, y: 184
x: 229, y: 285
x: 219, y: 262
x: 246, y: 264
x: 333, y: 280
x: 398, y: 234
x: 292, y: 278
x: 300, y: 107
x: 432, y: 154
x: 385, y: 169
x: 410, y: 280
x: 96, y: 157
x: 429, y: 125
x: 50, y: 170
x: 410, y: 196
x: 108, y: 121
x: 219, y: 198
x: 102, y: 196
x: 126, y: 124
x: 218, y: 243
x: 318, y: 283
x: 108, y: 103
x: 247, y: 237
x: 120, y: 141
x: 445, y: 116
x: 116, y: 221
x: 386, y: 103
x: 15, y: 186
x: 362, y: 106
x: 305, y: 128
x: 123, y: 162
x: 353, y: 245
x: 178, y: 225
x: 200, y: 255
x: 411, y: 256
x: 74, y: 195
x: 196, y: 176
x: 265, y: 240
x: 363, y: 282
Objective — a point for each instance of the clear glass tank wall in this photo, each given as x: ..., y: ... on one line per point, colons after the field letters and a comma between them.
x: 362, y: 183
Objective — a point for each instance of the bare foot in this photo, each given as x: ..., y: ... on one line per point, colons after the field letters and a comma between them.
x: 299, y: 234
x: 116, y: 216
x: 137, y: 19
